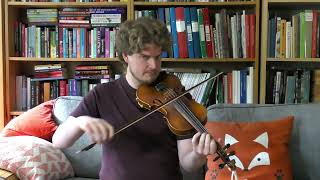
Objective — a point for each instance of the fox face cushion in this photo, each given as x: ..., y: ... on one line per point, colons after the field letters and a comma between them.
x: 261, y: 149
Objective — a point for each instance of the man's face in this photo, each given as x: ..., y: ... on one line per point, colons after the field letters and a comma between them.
x: 144, y: 67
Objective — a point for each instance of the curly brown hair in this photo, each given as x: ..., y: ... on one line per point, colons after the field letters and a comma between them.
x: 135, y: 34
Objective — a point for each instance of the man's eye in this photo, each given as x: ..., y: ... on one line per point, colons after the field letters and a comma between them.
x: 145, y: 57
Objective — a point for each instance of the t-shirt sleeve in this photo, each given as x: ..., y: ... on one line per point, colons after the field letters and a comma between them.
x: 88, y: 106
x: 186, y: 136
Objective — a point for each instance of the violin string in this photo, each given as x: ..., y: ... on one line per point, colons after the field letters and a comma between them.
x: 171, y: 94
x: 194, y: 120
x: 192, y: 117
x: 196, y: 123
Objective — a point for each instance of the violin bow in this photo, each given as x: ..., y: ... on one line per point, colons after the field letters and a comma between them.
x: 88, y: 147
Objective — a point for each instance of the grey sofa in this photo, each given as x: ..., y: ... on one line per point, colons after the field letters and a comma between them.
x: 304, y: 147
x: 86, y: 164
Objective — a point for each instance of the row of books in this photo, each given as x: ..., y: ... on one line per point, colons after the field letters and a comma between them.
x: 189, y: 80
x: 32, y: 92
x: 294, y: 37
x: 70, y: 39
x: 91, y: 17
x: 293, y: 86
x: 127, y: 0
x: 207, y: 33
x: 45, y: 84
x: 233, y: 87
x: 72, y: 0
x: 195, y: 0
x: 54, y: 42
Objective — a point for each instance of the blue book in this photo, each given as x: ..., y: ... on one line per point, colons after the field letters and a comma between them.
x: 174, y: 33
x: 161, y: 17
x: 189, y: 32
x: 243, y: 86
x: 272, y: 38
x: 65, y: 46
x: 195, y: 32
x: 82, y: 36
x: 74, y: 42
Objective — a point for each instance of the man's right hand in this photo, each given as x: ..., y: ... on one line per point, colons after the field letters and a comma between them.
x: 97, y: 129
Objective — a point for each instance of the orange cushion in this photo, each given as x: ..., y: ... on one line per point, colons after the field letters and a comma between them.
x: 35, y: 122
x: 261, y: 149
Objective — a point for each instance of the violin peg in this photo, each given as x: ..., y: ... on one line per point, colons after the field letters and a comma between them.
x: 216, y: 158
x: 221, y: 166
x: 226, y: 146
x: 232, y: 153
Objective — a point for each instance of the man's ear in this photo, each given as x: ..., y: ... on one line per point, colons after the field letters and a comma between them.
x: 125, y: 57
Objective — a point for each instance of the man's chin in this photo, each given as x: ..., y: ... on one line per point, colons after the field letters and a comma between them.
x: 150, y: 80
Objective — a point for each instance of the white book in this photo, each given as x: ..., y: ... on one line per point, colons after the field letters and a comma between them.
x: 243, y: 34
x: 234, y: 86
x: 288, y: 39
x: 225, y: 88
x: 233, y: 37
x: 250, y: 86
x: 28, y: 93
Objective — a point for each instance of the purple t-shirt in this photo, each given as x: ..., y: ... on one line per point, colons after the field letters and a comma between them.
x: 147, y: 150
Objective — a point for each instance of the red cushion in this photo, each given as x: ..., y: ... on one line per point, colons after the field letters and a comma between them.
x: 35, y: 122
x: 261, y: 149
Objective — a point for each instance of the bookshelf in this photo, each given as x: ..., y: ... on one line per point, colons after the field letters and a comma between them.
x: 2, y: 65
x: 209, y: 63
x: 23, y: 65
x: 14, y: 10
x: 290, y: 61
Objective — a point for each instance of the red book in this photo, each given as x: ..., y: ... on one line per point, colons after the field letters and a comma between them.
x: 248, y: 36
x: 252, y: 33
x: 207, y: 31
x: 314, y: 34
x: 23, y: 31
x: 181, y: 31
x: 63, y: 88
x: 78, y: 42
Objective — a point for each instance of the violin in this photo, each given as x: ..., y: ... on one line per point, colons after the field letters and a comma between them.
x: 183, y: 114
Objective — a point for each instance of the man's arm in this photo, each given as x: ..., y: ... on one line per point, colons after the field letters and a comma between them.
x: 193, y: 152
x: 68, y: 132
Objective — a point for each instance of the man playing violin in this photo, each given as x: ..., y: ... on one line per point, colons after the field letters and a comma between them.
x: 148, y: 149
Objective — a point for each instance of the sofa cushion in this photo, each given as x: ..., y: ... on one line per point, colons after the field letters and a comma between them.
x: 85, y: 164
x: 35, y: 122
x: 32, y: 158
x: 304, y: 148
x: 261, y: 149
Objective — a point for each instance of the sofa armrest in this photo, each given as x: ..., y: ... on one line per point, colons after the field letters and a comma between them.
x: 7, y: 175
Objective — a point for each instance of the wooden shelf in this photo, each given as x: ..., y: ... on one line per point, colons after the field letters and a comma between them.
x: 211, y: 60
x: 292, y: 2
x: 315, y: 60
x: 16, y: 113
x: 182, y: 60
x: 63, y: 59
x: 287, y: 8
x: 67, y: 4
x: 24, y: 65
x: 240, y: 3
